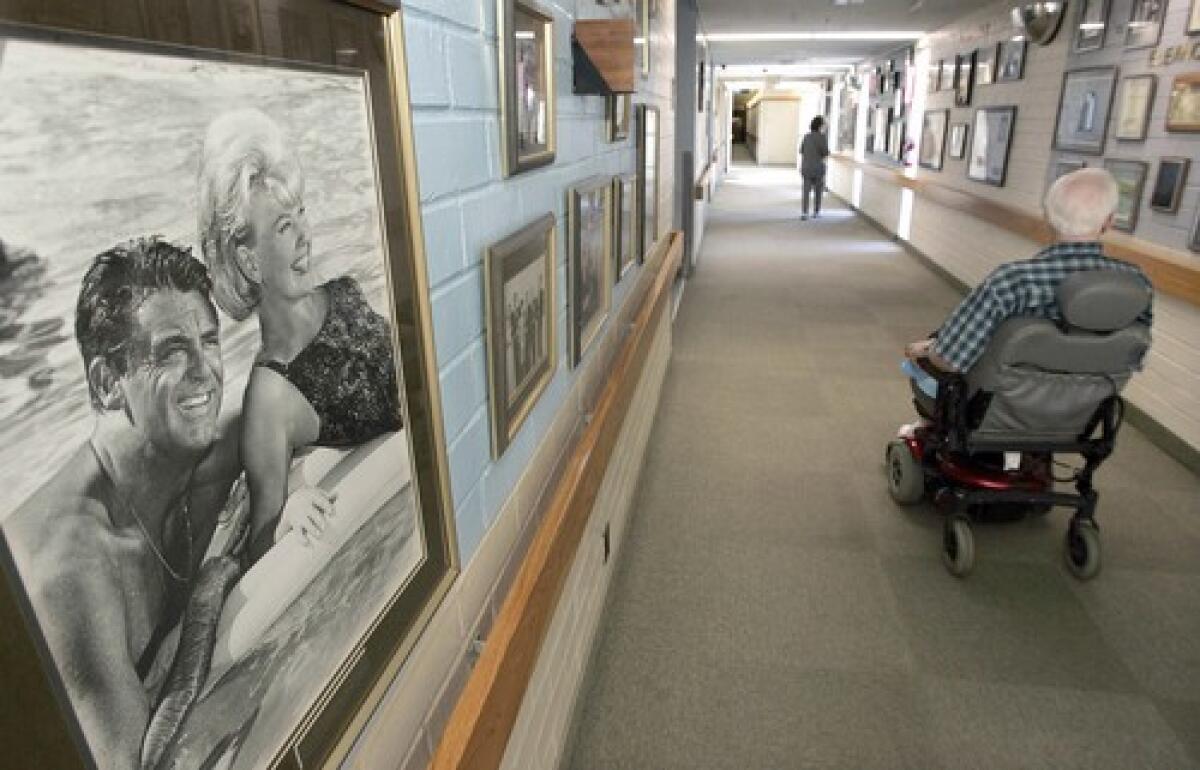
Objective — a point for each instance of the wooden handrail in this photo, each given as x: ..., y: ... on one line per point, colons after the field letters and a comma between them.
x: 482, y: 721
x: 1170, y: 271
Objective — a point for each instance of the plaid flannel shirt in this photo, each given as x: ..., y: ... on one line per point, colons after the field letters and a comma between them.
x: 1025, y: 288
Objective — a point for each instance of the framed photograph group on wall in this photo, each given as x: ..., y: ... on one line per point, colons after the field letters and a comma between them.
x: 527, y: 104
x: 519, y: 299
x: 990, y: 144
x: 162, y: 602
x: 1083, y: 109
x: 589, y: 261
x: 933, y: 138
x: 647, y: 171
x: 1131, y: 178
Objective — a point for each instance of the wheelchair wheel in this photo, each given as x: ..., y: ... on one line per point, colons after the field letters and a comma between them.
x: 906, y: 478
x: 958, y: 546
x: 1081, y: 549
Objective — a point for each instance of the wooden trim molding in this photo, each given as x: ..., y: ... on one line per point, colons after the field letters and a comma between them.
x: 482, y: 721
x: 1172, y: 272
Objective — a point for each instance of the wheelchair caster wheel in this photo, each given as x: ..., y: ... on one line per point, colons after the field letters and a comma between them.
x: 1081, y: 549
x: 958, y: 546
x: 906, y: 478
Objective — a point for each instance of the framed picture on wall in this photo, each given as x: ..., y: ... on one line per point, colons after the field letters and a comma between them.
x: 949, y: 67
x: 527, y: 103
x: 935, y: 77
x: 1193, y: 25
x: 1145, y: 23
x: 964, y: 78
x: 1194, y: 241
x: 1012, y: 61
x: 1064, y: 167
x: 985, y: 64
x: 1183, y: 108
x: 1083, y: 109
x: 519, y: 310
x: 1169, y: 184
x: 1131, y: 178
x: 211, y: 637
x: 990, y: 144
x: 958, y: 140
x: 647, y: 170
x: 617, y: 111
x: 933, y: 138
x: 624, y: 235
x: 1135, y: 97
x: 1091, y: 25
x: 589, y: 263
x: 643, y: 20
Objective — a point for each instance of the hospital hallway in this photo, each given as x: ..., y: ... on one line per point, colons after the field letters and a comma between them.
x: 773, y: 608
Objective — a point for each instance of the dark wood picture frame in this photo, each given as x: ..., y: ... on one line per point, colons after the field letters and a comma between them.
x: 1131, y: 181
x: 589, y: 295
x: 1105, y: 81
x: 1169, y: 183
x: 1091, y: 25
x: 511, y: 15
x: 964, y: 78
x: 360, y: 36
x: 1003, y: 145
x: 934, y: 126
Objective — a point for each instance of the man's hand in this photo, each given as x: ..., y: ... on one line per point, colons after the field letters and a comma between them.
x: 918, y: 349
x: 308, y: 510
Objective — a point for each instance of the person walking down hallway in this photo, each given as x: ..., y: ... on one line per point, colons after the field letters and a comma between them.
x: 813, y: 151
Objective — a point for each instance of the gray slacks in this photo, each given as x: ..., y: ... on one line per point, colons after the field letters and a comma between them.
x: 814, y: 185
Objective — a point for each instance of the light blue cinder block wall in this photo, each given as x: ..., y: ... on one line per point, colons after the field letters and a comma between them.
x: 467, y: 204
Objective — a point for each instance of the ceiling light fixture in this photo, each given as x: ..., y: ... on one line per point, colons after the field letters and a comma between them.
x: 785, y: 37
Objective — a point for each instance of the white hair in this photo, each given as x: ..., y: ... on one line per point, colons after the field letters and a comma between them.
x: 1079, y: 204
x: 243, y: 150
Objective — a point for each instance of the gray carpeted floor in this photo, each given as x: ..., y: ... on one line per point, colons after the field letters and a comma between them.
x: 774, y: 609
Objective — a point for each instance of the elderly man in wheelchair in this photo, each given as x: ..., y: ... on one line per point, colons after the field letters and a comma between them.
x: 1029, y: 365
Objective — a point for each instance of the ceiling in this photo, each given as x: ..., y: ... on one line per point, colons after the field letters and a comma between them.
x: 718, y: 16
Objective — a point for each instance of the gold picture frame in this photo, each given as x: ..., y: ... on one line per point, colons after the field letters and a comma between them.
x: 624, y: 237
x: 1183, y: 106
x: 519, y: 307
x: 617, y: 111
x: 361, y: 41
x: 589, y: 263
x: 648, y: 173
x: 528, y: 112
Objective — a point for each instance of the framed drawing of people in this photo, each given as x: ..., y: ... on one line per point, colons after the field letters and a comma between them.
x: 1169, y: 184
x: 1083, y: 108
x: 618, y: 108
x: 1135, y: 96
x: 589, y: 263
x: 1183, y: 107
x: 933, y: 138
x: 624, y: 237
x: 1131, y: 178
x: 990, y: 144
x: 1091, y: 25
x: 647, y: 170
x: 528, y: 124
x: 209, y: 560
x: 519, y: 311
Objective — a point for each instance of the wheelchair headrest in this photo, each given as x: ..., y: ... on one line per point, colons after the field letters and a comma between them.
x: 1102, y: 300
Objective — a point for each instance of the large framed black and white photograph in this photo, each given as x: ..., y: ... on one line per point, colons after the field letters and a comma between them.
x: 519, y: 307
x: 647, y: 171
x: 1083, y: 107
x: 1135, y: 97
x: 624, y: 236
x: 618, y: 108
x: 1145, y: 23
x: 1169, y: 184
x: 589, y: 263
x: 226, y: 515
x: 1091, y: 24
x: 933, y: 138
x: 1131, y: 179
x: 528, y: 126
x: 990, y: 144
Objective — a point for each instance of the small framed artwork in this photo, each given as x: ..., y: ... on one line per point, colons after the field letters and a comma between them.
x: 1183, y: 108
x: 527, y: 104
x: 958, y: 140
x: 647, y: 170
x: 1092, y: 23
x: 1145, y: 23
x: 933, y: 138
x: 1064, y: 167
x: 935, y: 77
x: 643, y: 20
x: 1083, y: 109
x: 521, y: 351
x: 985, y: 64
x: 949, y: 67
x: 1012, y: 61
x: 964, y: 78
x: 1193, y: 25
x: 589, y: 263
x: 990, y: 144
x: 1131, y: 177
x: 617, y: 110
x: 1169, y: 184
x: 624, y: 236
x: 1135, y: 95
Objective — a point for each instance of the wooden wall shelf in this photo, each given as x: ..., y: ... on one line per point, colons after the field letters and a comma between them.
x: 603, y: 55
